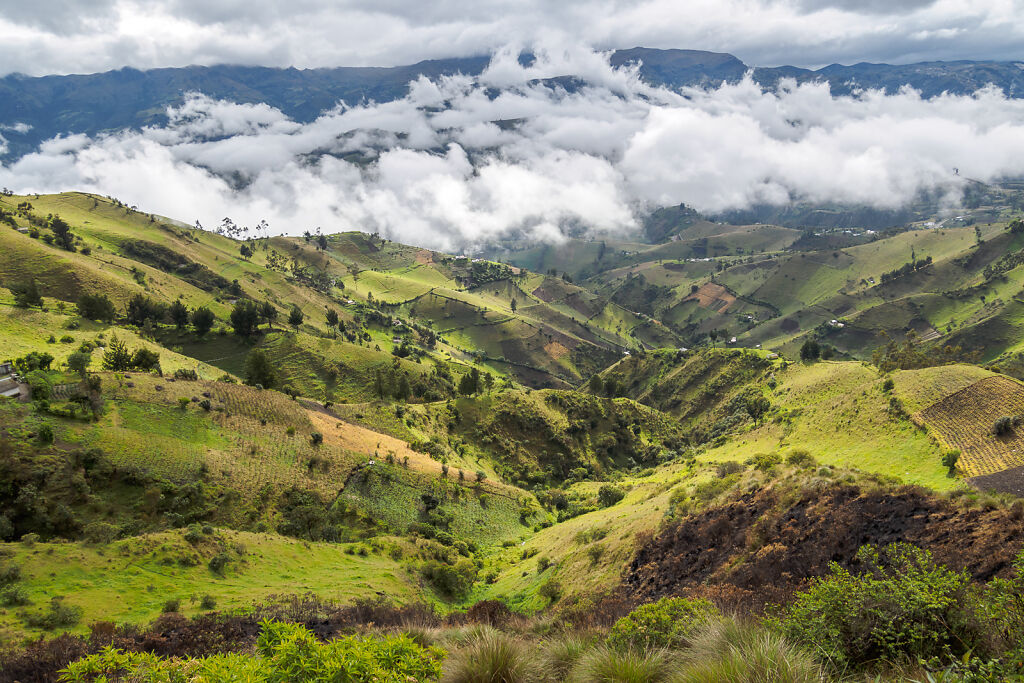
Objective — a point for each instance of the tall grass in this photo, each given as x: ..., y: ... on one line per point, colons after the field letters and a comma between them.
x: 733, y: 651
x: 492, y: 657
x: 606, y: 665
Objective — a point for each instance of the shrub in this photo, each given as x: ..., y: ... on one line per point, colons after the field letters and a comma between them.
x: 56, y: 615
x: 219, y: 562
x: 949, y: 461
x: 615, y: 666
x: 900, y: 604
x: 728, y: 467
x: 193, y: 534
x: 609, y: 495
x: 729, y: 650
x: 30, y: 539
x: 492, y: 657
x: 551, y: 590
x: 183, y: 402
x: 208, y: 602
x: 765, y: 461
x: 172, y: 605
x: 1003, y: 426
x: 452, y: 580
x: 286, y: 652
x: 316, y: 438
x: 667, y: 623
x: 800, y: 458
x: 14, y: 596
x: 45, y: 434
x: 543, y: 563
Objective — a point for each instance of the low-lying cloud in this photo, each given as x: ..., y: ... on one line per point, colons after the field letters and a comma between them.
x: 461, y: 161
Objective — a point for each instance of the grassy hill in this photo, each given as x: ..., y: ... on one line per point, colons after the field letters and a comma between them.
x: 472, y: 430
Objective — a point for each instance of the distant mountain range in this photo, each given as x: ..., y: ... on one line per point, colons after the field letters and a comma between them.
x: 129, y: 98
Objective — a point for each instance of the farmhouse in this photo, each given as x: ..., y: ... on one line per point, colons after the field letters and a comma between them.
x: 11, y: 385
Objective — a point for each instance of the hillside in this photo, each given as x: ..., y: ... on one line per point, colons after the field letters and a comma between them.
x: 464, y: 437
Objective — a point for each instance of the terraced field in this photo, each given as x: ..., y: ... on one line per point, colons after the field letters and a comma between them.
x: 964, y: 421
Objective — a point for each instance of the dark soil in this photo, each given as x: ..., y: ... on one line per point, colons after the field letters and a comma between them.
x: 761, y: 548
x: 1007, y: 481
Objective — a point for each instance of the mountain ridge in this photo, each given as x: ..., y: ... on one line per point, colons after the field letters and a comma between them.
x: 129, y: 98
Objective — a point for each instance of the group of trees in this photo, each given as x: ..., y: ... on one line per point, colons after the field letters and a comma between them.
x: 142, y: 310
x: 247, y: 316
x: 118, y: 358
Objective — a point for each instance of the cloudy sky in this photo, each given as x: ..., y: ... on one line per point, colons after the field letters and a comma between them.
x: 84, y: 36
x: 435, y: 169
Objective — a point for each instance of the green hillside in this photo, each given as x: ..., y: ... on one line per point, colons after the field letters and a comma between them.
x: 221, y: 428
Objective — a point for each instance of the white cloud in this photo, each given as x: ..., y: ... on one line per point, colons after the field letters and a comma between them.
x: 58, y: 36
x: 455, y: 163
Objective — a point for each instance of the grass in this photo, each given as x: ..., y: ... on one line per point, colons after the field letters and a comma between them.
x: 131, y: 580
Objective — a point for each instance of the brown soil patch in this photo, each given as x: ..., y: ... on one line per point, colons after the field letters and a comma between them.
x: 424, y: 257
x: 762, y: 551
x: 964, y: 421
x: 555, y: 350
x: 715, y: 297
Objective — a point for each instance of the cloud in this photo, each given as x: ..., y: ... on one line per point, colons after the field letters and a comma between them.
x: 461, y: 161
x: 60, y: 36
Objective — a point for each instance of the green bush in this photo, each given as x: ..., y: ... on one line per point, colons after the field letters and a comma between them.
x: 451, y: 580
x: 901, y: 604
x: 56, y: 615
x: 14, y: 595
x: 667, y: 623
x: 172, y: 605
x: 208, y: 602
x: 286, y: 652
x: 609, y: 495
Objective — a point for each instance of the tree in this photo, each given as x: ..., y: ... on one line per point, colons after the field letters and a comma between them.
x: 488, y: 382
x: 295, y: 317
x: 810, y: 350
x: 62, y: 233
x: 117, y: 357
x: 141, y: 308
x: 1017, y: 226
x: 470, y: 383
x: 144, y: 359
x: 258, y: 369
x: 513, y: 305
x: 27, y: 294
x: 96, y: 307
x: 245, y: 318
x: 404, y: 390
x: 609, y: 495
x: 178, y: 313
x: 321, y: 242
x: 202, y: 320
x: 757, y: 406
x: 79, y: 362
x: 268, y: 313
x: 332, y: 318
x: 596, y: 385
x: 245, y: 250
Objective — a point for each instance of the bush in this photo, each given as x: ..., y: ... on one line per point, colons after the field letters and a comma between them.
x: 285, y: 652
x: 30, y: 539
x: 667, y: 623
x: 57, y: 615
x: 208, y: 602
x: 728, y: 467
x: 728, y: 650
x: 14, y: 596
x: 551, y: 590
x: 492, y: 657
x: 45, y: 434
x: 172, y: 605
x: 219, y: 562
x: 452, y: 580
x: 800, y: 458
x: 900, y: 604
x: 609, y: 495
x: 1004, y: 426
x: 316, y: 438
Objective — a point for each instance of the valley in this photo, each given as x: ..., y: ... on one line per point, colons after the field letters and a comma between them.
x: 342, y: 431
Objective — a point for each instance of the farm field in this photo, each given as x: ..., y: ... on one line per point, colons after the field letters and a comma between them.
x: 964, y: 421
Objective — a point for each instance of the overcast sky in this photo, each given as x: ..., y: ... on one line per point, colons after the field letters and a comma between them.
x: 84, y: 36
